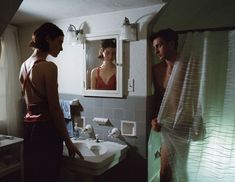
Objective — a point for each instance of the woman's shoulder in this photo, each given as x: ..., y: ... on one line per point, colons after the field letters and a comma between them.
x: 94, y: 70
x: 48, y: 64
x: 46, y: 68
x: 50, y: 67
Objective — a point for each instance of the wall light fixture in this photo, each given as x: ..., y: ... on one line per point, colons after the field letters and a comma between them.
x: 128, y: 31
x: 75, y: 36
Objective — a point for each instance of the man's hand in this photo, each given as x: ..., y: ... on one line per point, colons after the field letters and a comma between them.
x: 155, y: 125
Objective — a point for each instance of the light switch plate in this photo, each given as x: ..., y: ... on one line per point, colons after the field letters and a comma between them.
x: 131, y: 85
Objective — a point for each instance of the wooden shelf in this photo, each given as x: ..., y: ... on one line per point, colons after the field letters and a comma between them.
x: 10, y: 169
x: 11, y: 152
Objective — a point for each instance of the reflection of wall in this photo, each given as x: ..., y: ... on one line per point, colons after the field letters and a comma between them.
x: 92, y: 59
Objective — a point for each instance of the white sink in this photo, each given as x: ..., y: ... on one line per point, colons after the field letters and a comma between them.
x: 98, y: 157
x: 89, y: 150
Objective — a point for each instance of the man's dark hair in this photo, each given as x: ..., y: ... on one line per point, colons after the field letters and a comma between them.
x: 166, y: 34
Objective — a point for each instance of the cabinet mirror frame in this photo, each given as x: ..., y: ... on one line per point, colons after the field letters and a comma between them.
x: 90, y: 58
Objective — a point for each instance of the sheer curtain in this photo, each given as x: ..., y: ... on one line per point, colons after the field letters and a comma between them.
x: 197, y: 111
x: 9, y: 89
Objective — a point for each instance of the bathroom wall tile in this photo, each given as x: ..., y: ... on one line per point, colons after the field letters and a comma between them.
x: 129, y: 105
x: 108, y: 104
x: 88, y: 112
x: 107, y: 113
x: 117, y: 103
x: 117, y: 113
x: 140, y: 115
x: 131, y: 140
x: 140, y: 103
x: 99, y: 102
x: 140, y: 128
x: 98, y: 112
x: 87, y: 104
x: 128, y: 115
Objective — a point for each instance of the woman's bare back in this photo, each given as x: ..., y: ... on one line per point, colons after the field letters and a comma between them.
x: 39, y: 75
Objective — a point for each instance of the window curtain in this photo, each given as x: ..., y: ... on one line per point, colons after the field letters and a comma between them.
x: 197, y: 111
x: 9, y: 85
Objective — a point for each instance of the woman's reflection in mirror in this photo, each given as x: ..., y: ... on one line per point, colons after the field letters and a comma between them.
x: 103, y: 77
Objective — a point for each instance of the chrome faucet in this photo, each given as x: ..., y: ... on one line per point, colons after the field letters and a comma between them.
x: 76, y: 131
x: 114, y: 133
x: 88, y: 129
x: 97, y: 138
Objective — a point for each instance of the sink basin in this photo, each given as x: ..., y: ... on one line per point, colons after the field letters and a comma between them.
x: 89, y: 149
x: 98, y: 157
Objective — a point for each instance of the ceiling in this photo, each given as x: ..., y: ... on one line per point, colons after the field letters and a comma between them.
x: 31, y: 11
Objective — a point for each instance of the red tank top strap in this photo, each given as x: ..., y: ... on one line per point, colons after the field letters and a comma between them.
x: 98, y: 72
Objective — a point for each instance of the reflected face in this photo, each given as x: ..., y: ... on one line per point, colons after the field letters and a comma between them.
x: 109, y: 54
x: 56, y: 46
x: 161, y: 48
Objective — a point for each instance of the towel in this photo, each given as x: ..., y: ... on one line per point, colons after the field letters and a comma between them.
x: 65, y: 106
x: 69, y: 126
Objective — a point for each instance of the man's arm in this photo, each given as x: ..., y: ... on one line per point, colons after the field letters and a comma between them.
x: 157, y: 100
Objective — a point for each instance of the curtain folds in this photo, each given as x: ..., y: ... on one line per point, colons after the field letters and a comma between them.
x: 10, y: 90
x: 197, y: 111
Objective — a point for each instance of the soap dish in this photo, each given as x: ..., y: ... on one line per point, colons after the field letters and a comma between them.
x: 100, y: 121
x: 128, y: 128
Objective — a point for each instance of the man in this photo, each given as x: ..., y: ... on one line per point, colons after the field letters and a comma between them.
x: 165, y: 44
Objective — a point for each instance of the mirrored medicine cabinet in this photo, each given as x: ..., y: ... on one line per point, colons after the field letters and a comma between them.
x: 92, y: 48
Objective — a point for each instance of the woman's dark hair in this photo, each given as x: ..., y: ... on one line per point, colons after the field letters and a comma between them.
x: 40, y: 35
x: 106, y: 43
x: 166, y: 34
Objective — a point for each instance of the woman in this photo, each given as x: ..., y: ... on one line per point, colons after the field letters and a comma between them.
x: 104, y: 76
x: 44, y: 122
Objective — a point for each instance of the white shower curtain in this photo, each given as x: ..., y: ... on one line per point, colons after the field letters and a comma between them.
x: 197, y: 111
x: 9, y: 85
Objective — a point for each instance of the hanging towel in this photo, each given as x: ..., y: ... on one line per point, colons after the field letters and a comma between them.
x: 65, y: 106
x: 69, y: 126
